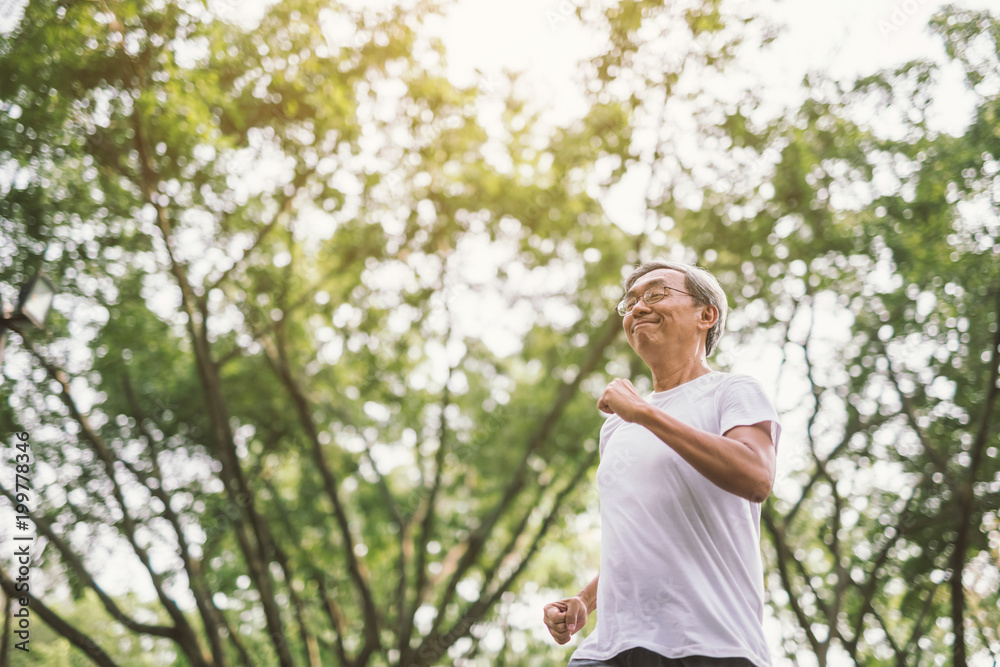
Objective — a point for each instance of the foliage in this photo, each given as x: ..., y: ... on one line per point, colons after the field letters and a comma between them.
x: 866, y: 246
x: 263, y: 383
x: 328, y: 340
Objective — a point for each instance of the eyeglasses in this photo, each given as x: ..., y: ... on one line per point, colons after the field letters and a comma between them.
x: 650, y: 296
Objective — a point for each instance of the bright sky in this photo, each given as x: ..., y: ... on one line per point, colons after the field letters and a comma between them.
x: 545, y: 40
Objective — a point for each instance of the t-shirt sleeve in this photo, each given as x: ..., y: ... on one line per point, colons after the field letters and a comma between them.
x: 744, y: 402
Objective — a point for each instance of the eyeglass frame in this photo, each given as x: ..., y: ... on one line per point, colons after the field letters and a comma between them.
x: 665, y: 290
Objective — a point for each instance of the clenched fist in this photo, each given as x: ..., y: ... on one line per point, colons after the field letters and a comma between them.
x: 621, y: 398
x: 565, y: 618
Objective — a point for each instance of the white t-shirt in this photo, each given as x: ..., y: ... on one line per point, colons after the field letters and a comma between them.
x: 681, y: 570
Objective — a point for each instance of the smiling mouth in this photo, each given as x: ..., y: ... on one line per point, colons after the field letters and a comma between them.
x: 640, y: 324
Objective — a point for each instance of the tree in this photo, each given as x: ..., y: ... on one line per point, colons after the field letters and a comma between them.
x: 263, y: 391
x: 328, y: 339
x: 863, y: 248
x: 865, y: 245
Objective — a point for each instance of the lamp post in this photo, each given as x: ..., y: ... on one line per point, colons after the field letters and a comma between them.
x: 33, y: 304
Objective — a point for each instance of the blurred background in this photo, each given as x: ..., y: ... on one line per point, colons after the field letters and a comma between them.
x: 334, y: 289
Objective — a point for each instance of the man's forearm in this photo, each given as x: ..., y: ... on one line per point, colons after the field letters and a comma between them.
x: 589, y: 594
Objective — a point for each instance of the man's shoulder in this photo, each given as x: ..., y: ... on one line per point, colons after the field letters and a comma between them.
x: 712, y: 383
x: 717, y: 385
x: 736, y: 379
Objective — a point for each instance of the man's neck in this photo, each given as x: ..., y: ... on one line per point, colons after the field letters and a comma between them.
x: 668, y: 374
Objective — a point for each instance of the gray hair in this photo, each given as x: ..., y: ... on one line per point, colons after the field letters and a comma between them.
x: 703, y: 286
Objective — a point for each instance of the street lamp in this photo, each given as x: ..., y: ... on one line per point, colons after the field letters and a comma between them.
x: 33, y: 304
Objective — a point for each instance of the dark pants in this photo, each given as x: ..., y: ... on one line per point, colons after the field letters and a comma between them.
x: 641, y: 657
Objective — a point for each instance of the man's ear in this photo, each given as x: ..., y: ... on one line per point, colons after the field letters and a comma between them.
x: 709, y: 316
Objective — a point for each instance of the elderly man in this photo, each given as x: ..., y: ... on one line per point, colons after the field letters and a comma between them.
x: 683, y: 472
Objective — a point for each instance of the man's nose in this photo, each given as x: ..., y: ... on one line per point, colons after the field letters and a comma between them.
x: 640, y: 302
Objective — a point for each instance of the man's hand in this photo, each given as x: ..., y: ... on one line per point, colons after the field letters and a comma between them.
x: 621, y: 398
x: 565, y: 618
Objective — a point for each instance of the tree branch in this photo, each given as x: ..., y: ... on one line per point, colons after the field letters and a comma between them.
x: 210, y: 614
x: 336, y: 617
x: 541, y: 433
x: 256, y: 552
x: 184, y: 634
x: 279, y: 363
x: 785, y: 557
x: 426, y: 528
x: 76, y: 564
x: 911, y: 417
x: 912, y: 644
x: 309, y: 642
x: 966, y: 495
x: 434, y: 645
x: 54, y: 621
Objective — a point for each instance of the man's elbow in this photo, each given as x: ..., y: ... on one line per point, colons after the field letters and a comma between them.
x: 760, y: 489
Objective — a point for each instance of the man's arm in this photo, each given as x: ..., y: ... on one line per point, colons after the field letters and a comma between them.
x: 741, y: 461
x: 567, y: 617
x: 589, y: 595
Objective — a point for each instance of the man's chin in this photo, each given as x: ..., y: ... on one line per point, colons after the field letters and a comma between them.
x: 643, y: 337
